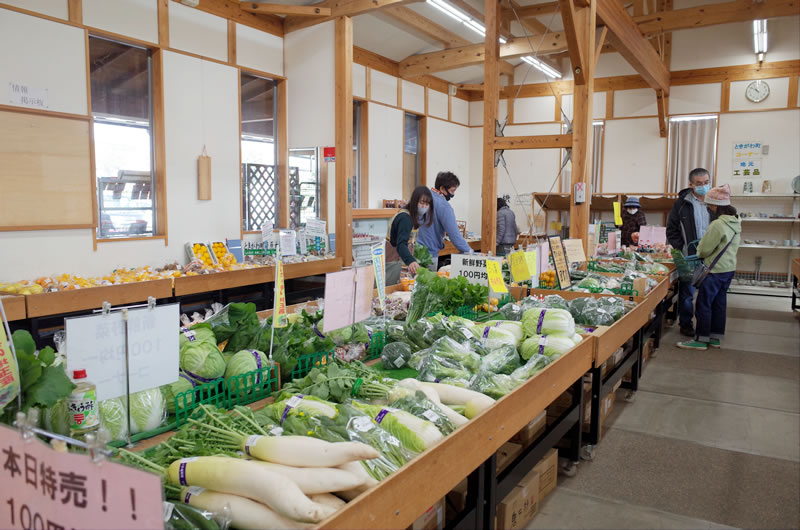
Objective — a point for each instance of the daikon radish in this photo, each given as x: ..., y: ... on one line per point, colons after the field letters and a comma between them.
x: 326, y: 499
x: 349, y: 495
x: 302, y: 451
x: 457, y: 419
x: 247, y: 479
x: 474, y: 402
x: 313, y: 480
x: 245, y: 514
x: 357, y: 468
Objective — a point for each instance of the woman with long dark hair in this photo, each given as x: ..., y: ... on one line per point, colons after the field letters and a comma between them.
x: 401, y: 236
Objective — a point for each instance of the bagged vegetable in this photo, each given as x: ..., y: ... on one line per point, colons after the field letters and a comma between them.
x: 462, y: 354
x: 419, y: 333
x: 417, y: 403
x: 182, y: 517
x: 502, y: 360
x: 552, y: 346
x: 554, y: 301
x: 418, y: 358
x: 534, y: 365
x: 414, y: 433
x: 435, y: 368
x: 499, y: 332
x: 396, y: 332
x: 418, y: 305
x: 396, y: 355
x: 540, y: 321
x: 511, y: 312
x: 530, y: 302
x: 494, y: 385
x: 300, y: 404
x: 614, y: 305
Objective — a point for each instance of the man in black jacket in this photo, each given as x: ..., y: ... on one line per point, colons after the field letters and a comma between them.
x: 686, y: 224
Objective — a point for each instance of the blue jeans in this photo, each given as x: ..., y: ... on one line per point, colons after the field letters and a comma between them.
x: 712, y: 298
x: 685, y: 304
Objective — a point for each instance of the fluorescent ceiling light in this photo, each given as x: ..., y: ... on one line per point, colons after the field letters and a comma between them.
x: 454, y: 13
x: 502, y: 40
x: 542, y: 67
x: 760, y: 37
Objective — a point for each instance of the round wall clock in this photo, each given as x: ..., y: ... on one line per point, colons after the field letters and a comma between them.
x: 757, y: 91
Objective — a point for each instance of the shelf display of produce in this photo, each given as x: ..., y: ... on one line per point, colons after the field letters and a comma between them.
x: 455, y: 430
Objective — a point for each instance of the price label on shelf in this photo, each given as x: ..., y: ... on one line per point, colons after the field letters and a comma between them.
x: 44, y: 488
x: 96, y: 343
x: 519, y: 266
x: 560, y: 261
x: 472, y: 267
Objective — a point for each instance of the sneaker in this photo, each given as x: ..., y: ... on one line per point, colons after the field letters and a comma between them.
x: 687, y: 331
x: 715, y: 343
x: 693, y: 345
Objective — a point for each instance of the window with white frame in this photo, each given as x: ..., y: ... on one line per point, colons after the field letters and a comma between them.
x: 692, y: 144
x: 259, y: 151
x: 121, y: 94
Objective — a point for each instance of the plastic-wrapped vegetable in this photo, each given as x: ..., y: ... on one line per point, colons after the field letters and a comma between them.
x: 396, y: 332
x: 530, y: 302
x: 534, y: 365
x: 419, y: 333
x: 540, y: 321
x: 417, y: 403
x: 577, y: 307
x: 460, y: 353
x: 435, y: 368
x: 552, y: 346
x: 502, y: 360
x: 494, y: 385
x: 396, y: 355
x: 493, y: 337
x: 511, y: 312
x: 554, y: 301
x: 459, y: 382
x: 417, y: 358
x: 597, y: 316
x: 418, y: 304
x: 614, y: 305
x: 184, y: 517
x: 590, y: 282
x: 414, y: 433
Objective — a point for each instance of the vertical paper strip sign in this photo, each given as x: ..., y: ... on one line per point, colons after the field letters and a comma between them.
x: 46, y: 489
x: 518, y: 263
x: 96, y: 343
x: 9, y: 374
x: 279, y: 318
x: 378, y: 264
x: 560, y: 261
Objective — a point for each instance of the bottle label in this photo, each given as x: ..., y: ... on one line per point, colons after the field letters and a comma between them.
x: 83, y: 410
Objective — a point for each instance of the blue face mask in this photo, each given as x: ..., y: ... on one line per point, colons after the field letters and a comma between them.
x: 422, y: 210
x: 702, y: 190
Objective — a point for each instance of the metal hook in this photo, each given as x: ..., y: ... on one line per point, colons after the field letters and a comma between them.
x: 106, y: 308
x: 151, y: 302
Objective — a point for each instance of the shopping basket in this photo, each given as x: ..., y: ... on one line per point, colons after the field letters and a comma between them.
x: 686, y: 265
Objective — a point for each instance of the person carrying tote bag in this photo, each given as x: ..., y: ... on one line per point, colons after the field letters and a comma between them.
x: 717, y: 249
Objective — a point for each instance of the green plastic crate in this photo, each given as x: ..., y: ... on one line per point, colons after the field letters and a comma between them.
x: 376, y: 344
x: 211, y: 393
x: 306, y: 362
x: 252, y: 386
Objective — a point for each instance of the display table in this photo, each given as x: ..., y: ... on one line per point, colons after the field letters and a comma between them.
x: 61, y: 302
x: 14, y: 307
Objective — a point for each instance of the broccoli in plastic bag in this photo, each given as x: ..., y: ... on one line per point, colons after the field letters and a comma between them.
x: 554, y: 301
x: 511, y: 312
x: 417, y: 403
x: 614, y: 305
x: 417, y: 358
x: 494, y: 385
x: 396, y: 332
x: 396, y: 355
x: 529, y: 303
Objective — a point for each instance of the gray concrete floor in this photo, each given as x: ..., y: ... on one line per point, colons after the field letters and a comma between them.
x: 711, y: 440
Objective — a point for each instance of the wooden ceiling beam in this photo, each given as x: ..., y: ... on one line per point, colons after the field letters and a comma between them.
x: 544, y: 141
x: 427, y: 27
x: 233, y: 11
x: 283, y: 9
x: 429, y: 63
x: 625, y: 36
x: 340, y: 8
x: 713, y: 14
x: 575, y: 48
x: 535, y: 10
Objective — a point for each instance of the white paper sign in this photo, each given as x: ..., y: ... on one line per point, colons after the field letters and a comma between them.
x: 96, y: 343
x: 746, y: 159
x: 266, y: 232
x: 27, y: 96
x: 288, y: 242
x: 472, y: 267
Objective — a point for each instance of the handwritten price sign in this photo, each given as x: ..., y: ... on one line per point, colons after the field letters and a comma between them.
x: 45, y: 489
x: 496, y: 283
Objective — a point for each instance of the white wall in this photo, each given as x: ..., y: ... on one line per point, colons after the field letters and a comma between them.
x: 437, y: 104
x: 695, y: 99
x: 46, y: 55
x: 385, y: 154
x: 259, y: 50
x: 52, y: 8
x: 777, y: 99
x: 634, y: 158
x: 413, y: 97
x: 134, y: 18
x: 197, y: 32
x: 359, y: 80
x: 448, y: 149
x: 383, y: 88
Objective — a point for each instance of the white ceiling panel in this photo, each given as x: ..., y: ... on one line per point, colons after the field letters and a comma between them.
x: 379, y: 34
x: 468, y: 74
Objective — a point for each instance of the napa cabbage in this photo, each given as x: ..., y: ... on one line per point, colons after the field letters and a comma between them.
x: 541, y: 321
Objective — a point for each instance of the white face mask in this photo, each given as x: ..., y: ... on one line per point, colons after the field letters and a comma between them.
x: 632, y: 211
x: 423, y: 210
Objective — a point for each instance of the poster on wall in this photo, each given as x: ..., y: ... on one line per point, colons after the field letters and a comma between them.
x: 746, y: 159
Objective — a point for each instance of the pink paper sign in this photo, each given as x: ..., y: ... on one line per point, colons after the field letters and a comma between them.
x: 43, y: 488
x: 646, y: 235
x: 348, y: 297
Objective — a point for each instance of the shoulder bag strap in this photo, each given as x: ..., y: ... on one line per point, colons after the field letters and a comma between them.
x: 722, y: 252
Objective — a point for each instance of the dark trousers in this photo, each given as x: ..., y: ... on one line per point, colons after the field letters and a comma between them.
x: 712, y: 302
x: 685, y: 304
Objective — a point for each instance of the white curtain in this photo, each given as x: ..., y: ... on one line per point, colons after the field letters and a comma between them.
x: 692, y: 144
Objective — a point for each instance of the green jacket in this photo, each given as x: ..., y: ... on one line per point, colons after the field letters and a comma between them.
x: 720, y: 231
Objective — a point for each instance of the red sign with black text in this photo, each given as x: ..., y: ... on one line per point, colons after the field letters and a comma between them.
x: 43, y: 488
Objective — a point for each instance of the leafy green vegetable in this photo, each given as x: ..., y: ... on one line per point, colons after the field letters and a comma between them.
x: 418, y: 404
x: 502, y: 360
x: 423, y: 256
x: 494, y: 385
x: 414, y: 433
x: 202, y: 360
x: 52, y: 385
x: 540, y: 321
x: 339, y: 381
x: 434, y: 368
x: 23, y: 342
x: 396, y: 355
x: 534, y: 365
x: 448, y: 348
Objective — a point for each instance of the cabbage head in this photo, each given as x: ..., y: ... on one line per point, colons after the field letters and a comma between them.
x: 56, y: 418
x: 246, y: 361
x: 198, y: 334
x: 113, y: 418
x: 202, y: 361
x: 171, y: 391
x: 148, y: 410
x: 540, y: 321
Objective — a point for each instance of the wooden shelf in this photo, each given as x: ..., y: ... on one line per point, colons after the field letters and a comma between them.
x: 769, y: 220
x: 773, y: 247
x: 374, y: 213
x: 444, y: 465
x: 14, y: 307
x: 230, y: 279
x: 450, y: 248
x: 60, y: 302
x: 766, y: 196
x: 603, y: 202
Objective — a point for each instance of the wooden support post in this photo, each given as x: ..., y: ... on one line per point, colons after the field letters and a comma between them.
x: 75, y: 11
x: 661, y: 102
x: 491, y: 95
x: 163, y: 23
x: 343, y: 51
x: 282, y: 89
x: 584, y: 24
